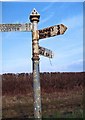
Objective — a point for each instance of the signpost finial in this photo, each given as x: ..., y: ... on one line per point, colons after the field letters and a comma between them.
x: 34, y: 16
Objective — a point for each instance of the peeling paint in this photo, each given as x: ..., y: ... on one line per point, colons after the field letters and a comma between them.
x: 45, y: 52
x: 35, y: 35
x: 52, y: 31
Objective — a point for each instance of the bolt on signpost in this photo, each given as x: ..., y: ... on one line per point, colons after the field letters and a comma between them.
x: 36, y: 50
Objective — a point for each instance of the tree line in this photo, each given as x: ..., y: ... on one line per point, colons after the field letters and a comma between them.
x: 22, y: 83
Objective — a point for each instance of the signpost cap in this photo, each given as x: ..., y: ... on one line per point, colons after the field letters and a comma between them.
x: 34, y: 16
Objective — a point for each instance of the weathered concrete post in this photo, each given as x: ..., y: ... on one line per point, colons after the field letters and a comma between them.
x: 34, y: 18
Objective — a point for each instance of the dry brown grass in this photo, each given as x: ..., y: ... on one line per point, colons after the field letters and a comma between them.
x: 63, y: 101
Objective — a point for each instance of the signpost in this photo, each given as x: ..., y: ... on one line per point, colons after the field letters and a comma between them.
x: 36, y: 50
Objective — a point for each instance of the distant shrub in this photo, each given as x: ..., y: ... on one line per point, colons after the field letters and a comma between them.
x: 50, y: 82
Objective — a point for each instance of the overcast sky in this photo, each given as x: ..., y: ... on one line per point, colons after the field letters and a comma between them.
x: 67, y: 48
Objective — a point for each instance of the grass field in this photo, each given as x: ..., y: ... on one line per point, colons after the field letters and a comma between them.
x: 59, y: 104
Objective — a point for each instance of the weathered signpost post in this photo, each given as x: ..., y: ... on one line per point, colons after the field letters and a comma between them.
x: 36, y: 50
x: 34, y: 18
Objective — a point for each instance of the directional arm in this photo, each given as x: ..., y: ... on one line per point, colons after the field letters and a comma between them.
x: 45, y: 52
x: 52, y: 31
x: 15, y: 27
